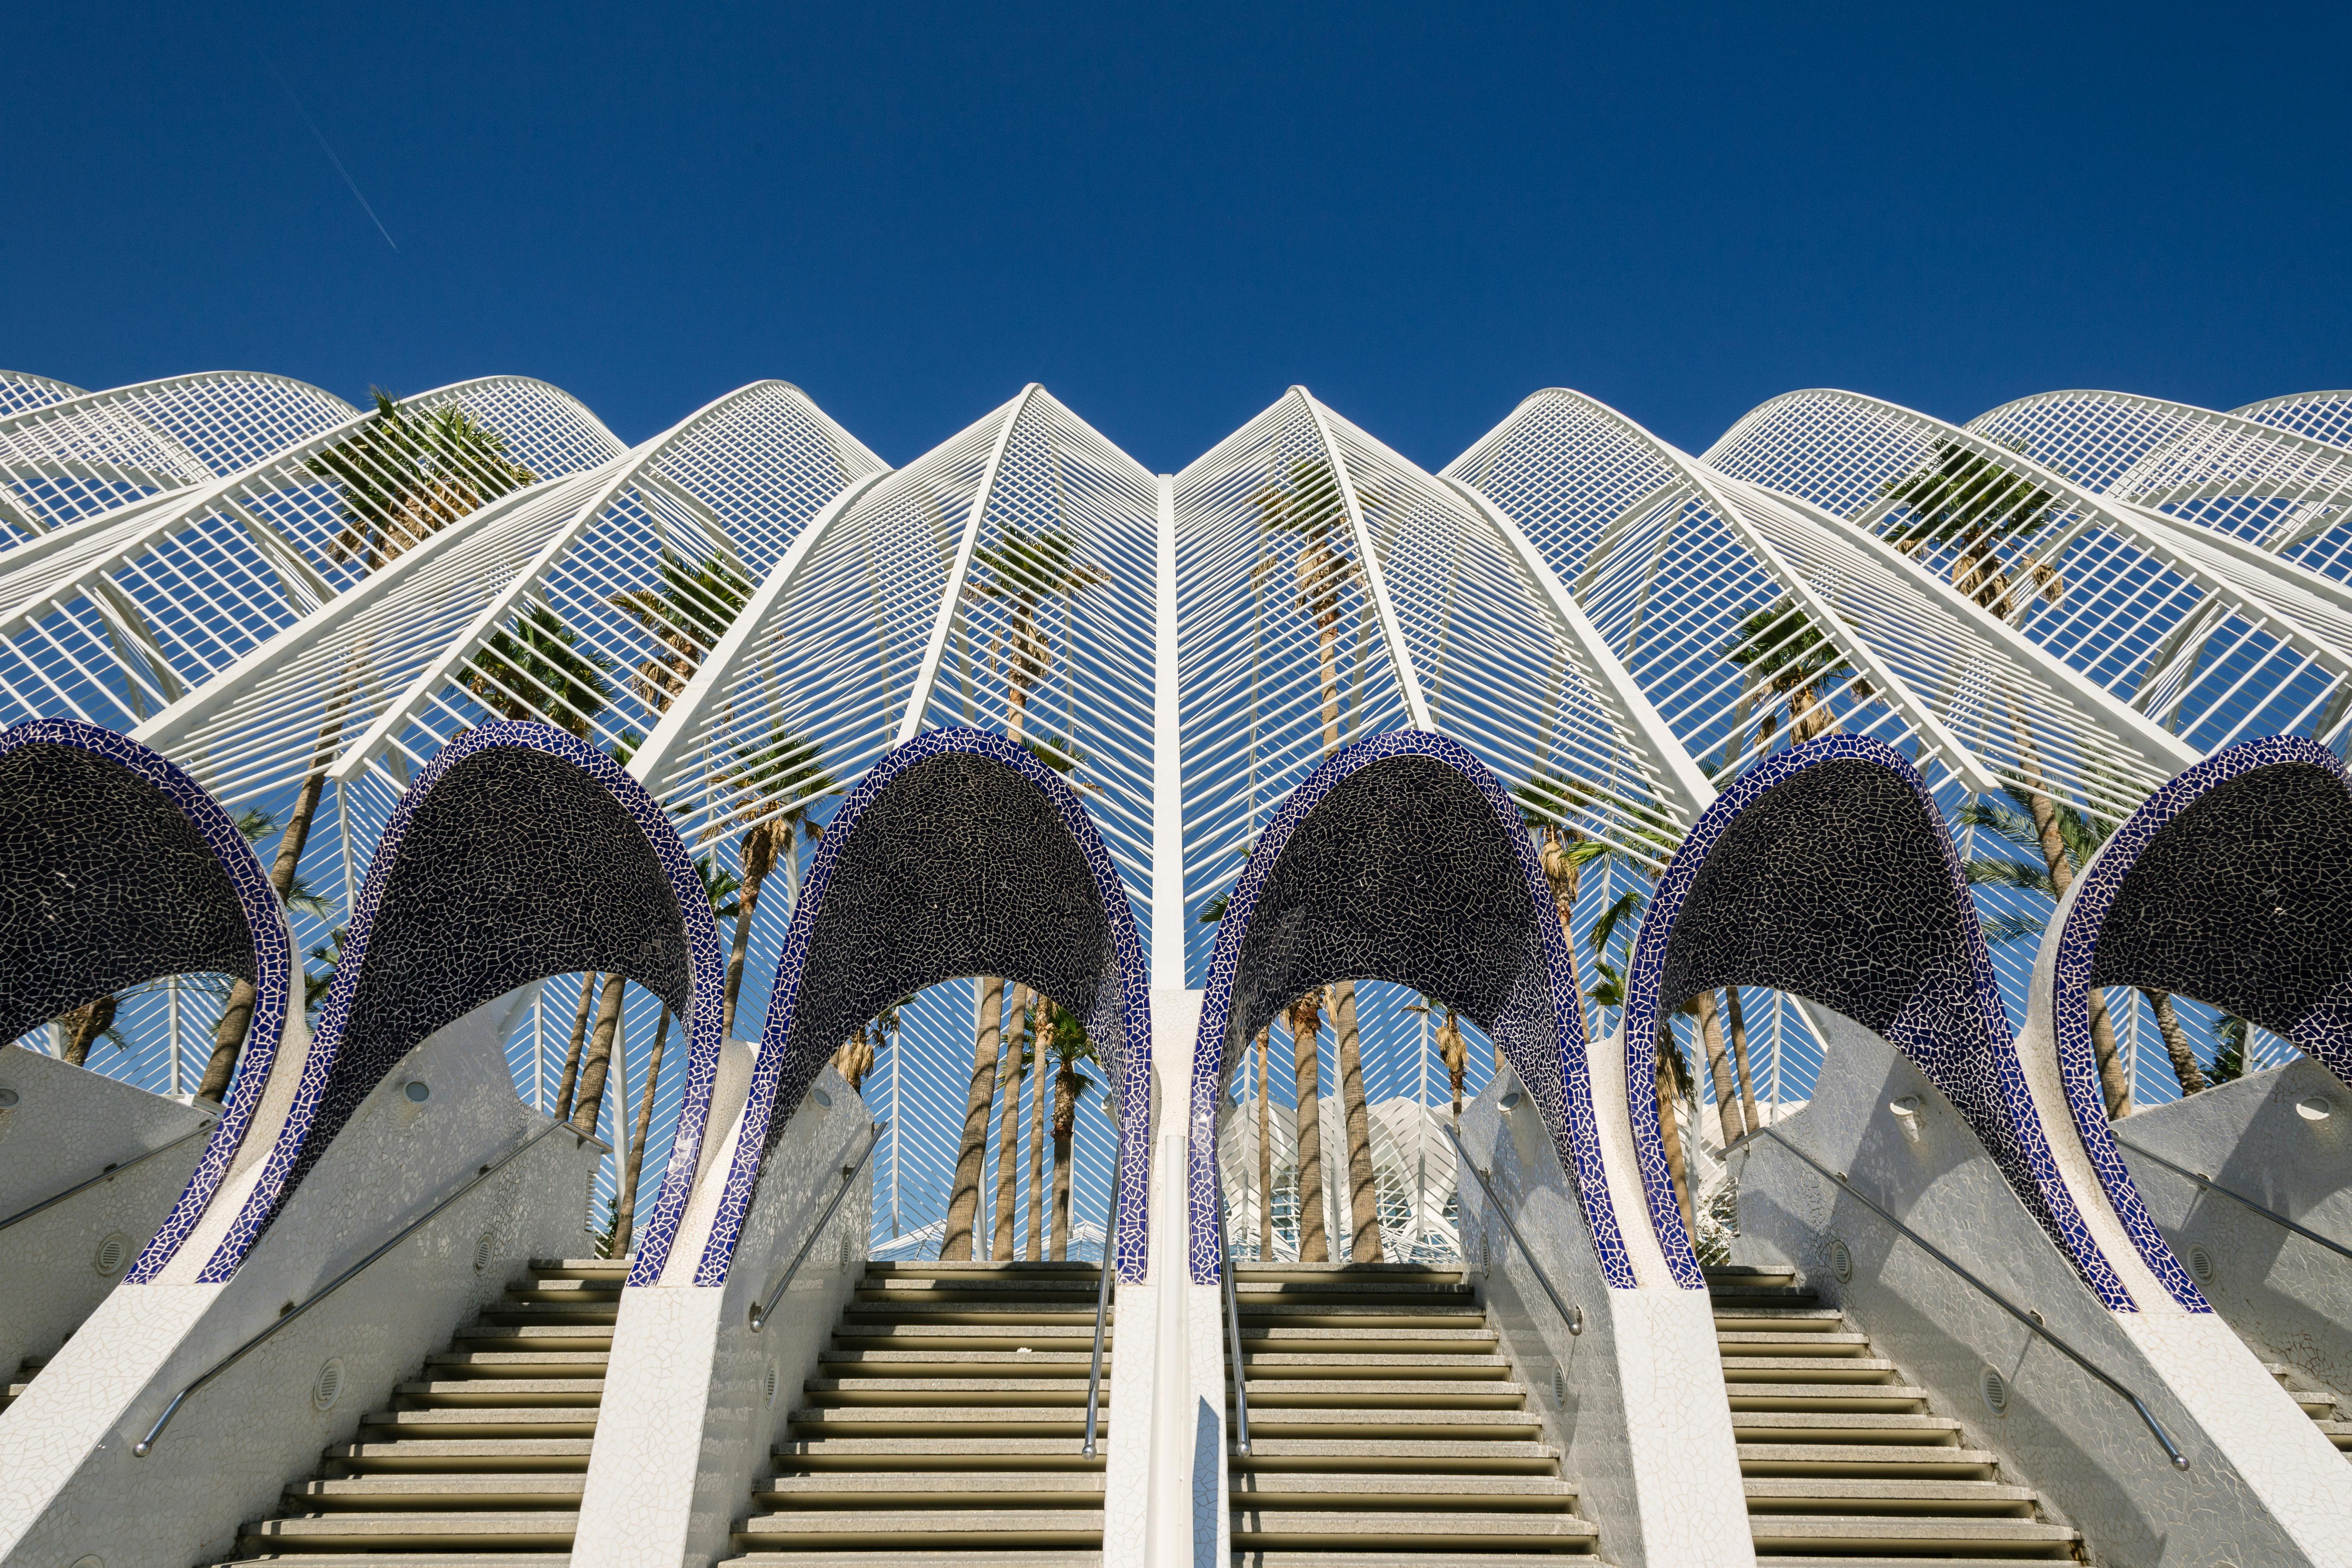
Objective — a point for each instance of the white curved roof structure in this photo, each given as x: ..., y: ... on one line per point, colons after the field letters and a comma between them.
x: 2209, y: 637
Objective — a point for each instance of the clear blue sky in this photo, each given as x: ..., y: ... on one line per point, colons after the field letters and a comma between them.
x: 1167, y: 216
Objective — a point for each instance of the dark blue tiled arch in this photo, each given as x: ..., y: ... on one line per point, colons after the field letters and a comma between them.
x: 155, y: 879
x: 2232, y: 884
x: 1401, y: 858
x: 520, y: 852
x: 1826, y: 872
x: 957, y: 854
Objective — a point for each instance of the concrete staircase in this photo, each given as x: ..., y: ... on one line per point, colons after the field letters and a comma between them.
x: 1845, y: 1464
x: 2317, y: 1404
x: 482, y: 1460
x: 944, y: 1426
x: 1385, y: 1425
x: 14, y: 1389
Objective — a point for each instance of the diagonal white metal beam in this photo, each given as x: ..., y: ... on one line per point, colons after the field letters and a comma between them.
x: 2156, y: 746
x: 1417, y: 706
x: 927, y: 676
x: 1642, y: 722
x: 685, y: 716
x: 485, y: 625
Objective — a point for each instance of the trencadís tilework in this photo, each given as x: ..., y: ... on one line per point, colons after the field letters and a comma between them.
x: 1825, y: 871
x: 520, y: 853
x: 958, y: 854
x: 1401, y: 859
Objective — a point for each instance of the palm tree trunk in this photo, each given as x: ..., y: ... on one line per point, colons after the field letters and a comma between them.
x: 1668, y: 1128
x: 625, y: 1212
x: 1008, y: 1131
x: 1729, y: 1125
x: 2115, y: 1077
x: 1061, y: 1185
x: 758, y: 857
x: 85, y: 1024
x: 1739, y: 1058
x: 972, y: 1152
x: 1265, y: 1154
x: 572, y: 1051
x: 236, y: 1019
x: 598, y: 1063
x: 2176, y: 1043
x: 1363, y: 1192
x: 1035, y: 1252
x: 1306, y: 1024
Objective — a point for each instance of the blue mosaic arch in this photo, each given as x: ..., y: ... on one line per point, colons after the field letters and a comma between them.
x: 116, y: 867
x: 519, y: 853
x: 1401, y: 859
x: 2232, y: 884
x: 1826, y: 872
x: 958, y: 854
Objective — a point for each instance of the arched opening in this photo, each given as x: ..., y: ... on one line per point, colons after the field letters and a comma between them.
x: 1400, y: 859
x: 1825, y: 873
x: 960, y: 854
x: 520, y: 853
x: 2232, y: 886
x: 127, y: 890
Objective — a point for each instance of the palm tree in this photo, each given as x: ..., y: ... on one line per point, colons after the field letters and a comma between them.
x: 1071, y: 1049
x: 1025, y: 570
x: 1264, y: 1153
x: 788, y: 766
x: 571, y: 1079
x: 405, y: 476
x: 596, y: 1066
x: 688, y: 609
x: 1785, y: 661
x: 539, y: 669
x: 399, y: 479
x: 1054, y: 1024
x: 1549, y: 803
x: 2078, y: 837
x: 1307, y: 509
x: 1030, y: 1013
x: 1306, y: 1018
x: 854, y: 1059
x: 1973, y: 506
x: 625, y: 1204
x: 2230, y: 1048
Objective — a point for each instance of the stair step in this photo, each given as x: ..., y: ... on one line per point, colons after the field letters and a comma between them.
x: 1910, y: 1494
x: 1390, y: 1529
x: 536, y: 1529
x: 1342, y: 1491
x: 992, y: 1557
x: 1743, y: 1370
x: 935, y: 1452
x: 471, y: 1455
x: 1892, y: 1536
x: 1883, y: 1398
x: 1844, y: 1427
x: 1282, y: 1421
x: 405, y: 1559
x: 1866, y: 1460
x: 384, y: 1493
x: 1419, y: 1559
x: 901, y: 1488
x: 493, y: 1392
x: 938, y: 1529
x: 1369, y: 1393
x: 508, y: 1421
x: 942, y: 1420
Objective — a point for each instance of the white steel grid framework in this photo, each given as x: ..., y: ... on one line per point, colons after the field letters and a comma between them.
x: 751, y: 608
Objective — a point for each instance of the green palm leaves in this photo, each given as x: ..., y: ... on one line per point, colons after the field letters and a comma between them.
x: 405, y: 475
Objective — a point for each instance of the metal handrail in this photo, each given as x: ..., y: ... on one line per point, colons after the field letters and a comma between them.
x: 107, y: 1175
x: 759, y: 1310
x: 1102, y: 1307
x: 2032, y: 1323
x: 1570, y: 1314
x: 2207, y: 1183
x: 146, y: 1445
x: 1234, y: 1327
